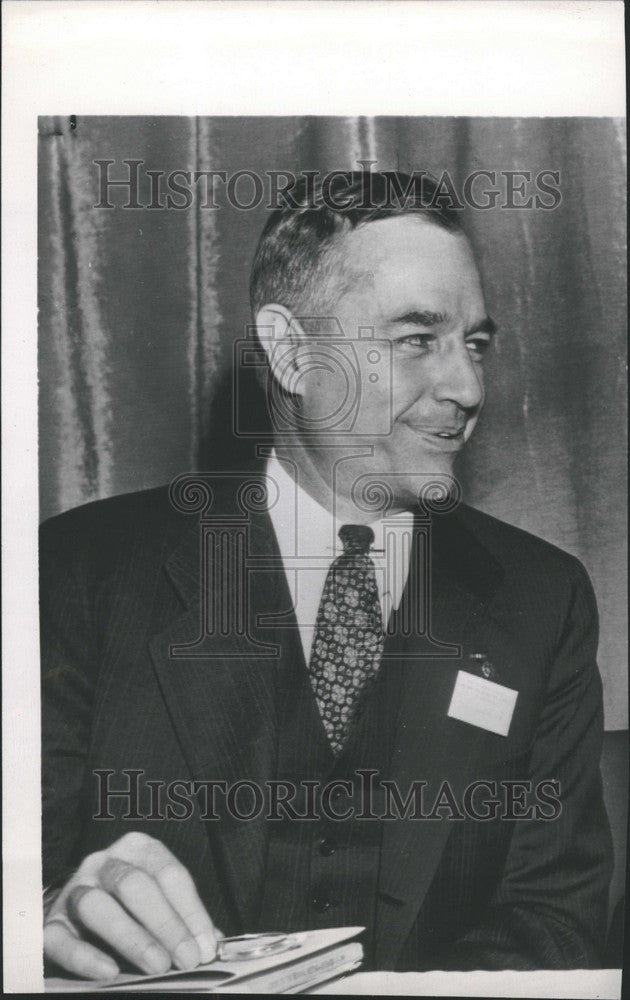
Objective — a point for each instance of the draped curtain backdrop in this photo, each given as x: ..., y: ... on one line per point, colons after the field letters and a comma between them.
x: 140, y: 308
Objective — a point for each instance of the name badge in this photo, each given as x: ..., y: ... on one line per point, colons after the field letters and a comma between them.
x: 482, y: 703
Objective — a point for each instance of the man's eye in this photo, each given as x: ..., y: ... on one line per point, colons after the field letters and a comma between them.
x: 478, y: 347
x: 417, y: 340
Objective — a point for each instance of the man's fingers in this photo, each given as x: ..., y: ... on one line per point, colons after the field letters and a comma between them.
x: 96, y: 911
x: 177, y: 885
x: 143, y: 898
x: 63, y: 946
x: 139, y: 899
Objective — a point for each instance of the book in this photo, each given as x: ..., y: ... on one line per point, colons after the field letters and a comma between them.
x: 312, y: 958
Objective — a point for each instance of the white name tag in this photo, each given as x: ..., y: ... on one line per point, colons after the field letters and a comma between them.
x: 482, y: 703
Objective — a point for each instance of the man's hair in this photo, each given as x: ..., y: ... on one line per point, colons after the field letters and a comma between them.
x: 299, y: 259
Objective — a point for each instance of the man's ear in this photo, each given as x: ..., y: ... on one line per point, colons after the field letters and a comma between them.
x: 282, y: 337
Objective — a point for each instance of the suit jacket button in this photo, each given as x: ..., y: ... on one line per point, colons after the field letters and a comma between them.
x: 320, y: 905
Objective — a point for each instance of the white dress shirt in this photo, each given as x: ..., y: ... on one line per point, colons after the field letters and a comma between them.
x: 308, y: 539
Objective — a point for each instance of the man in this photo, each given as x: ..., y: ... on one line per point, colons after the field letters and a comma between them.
x: 415, y: 697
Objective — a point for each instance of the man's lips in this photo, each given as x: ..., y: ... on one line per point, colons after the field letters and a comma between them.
x: 443, y: 437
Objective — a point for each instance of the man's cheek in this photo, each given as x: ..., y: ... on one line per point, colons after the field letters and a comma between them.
x: 406, y: 390
x: 374, y: 411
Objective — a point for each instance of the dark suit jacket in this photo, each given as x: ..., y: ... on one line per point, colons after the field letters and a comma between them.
x: 121, y: 587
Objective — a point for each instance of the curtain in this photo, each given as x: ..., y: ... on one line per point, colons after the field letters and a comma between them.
x: 140, y: 308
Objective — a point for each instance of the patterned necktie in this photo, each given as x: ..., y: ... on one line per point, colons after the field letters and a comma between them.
x: 348, y: 642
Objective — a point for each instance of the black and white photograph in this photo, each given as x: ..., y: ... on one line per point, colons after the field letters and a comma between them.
x: 329, y: 492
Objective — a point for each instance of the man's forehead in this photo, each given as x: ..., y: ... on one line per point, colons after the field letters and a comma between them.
x: 411, y: 234
x: 407, y: 256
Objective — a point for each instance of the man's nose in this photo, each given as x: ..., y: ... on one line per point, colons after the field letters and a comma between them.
x: 458, y: 379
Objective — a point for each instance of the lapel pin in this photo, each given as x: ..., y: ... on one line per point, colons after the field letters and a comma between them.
x: 488, y: 670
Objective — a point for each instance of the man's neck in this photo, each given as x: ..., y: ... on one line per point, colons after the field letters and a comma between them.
x: 318, y: 474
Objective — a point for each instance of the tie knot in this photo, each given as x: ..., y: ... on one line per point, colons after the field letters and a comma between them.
x: 356, y: 538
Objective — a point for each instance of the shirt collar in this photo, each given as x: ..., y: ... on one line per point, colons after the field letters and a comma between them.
x: 305, y: 528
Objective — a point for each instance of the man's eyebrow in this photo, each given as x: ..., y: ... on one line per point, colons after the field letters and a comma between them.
x: 486, y: 325
x: 420, y: 317
x: 428, y: 318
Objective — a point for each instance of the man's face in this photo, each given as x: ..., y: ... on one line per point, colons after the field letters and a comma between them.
x: 417, y: 286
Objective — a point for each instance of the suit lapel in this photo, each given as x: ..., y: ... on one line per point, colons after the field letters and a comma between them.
x: 429, y: 746
x: 221, y: 693
x: 220, y: 689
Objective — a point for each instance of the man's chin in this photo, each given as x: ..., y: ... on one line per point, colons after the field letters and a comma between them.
x: 403, y: 483
x: 417, y: 466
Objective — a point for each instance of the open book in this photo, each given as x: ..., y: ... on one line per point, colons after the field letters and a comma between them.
x: 310, y: 958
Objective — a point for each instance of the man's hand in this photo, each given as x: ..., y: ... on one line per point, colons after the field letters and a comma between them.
x: 141, y: 902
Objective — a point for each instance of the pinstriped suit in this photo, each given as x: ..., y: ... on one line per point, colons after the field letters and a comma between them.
x: 120, y: 586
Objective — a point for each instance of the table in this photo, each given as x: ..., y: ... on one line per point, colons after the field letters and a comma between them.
x: 576, y: 984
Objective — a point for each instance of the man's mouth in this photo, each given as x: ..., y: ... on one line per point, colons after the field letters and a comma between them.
x: 449, y: 435
x: 442, y: 432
